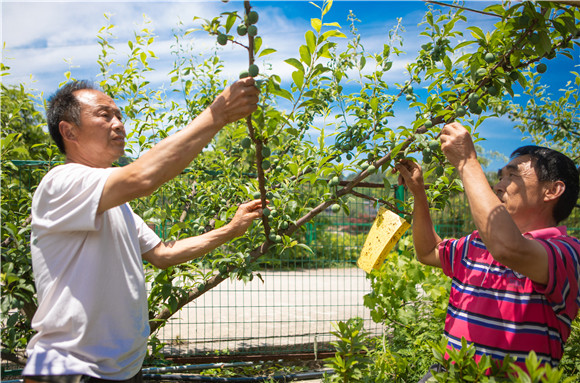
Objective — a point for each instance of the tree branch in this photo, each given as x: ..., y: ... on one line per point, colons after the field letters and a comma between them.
x: 188, y: 203
x: 257, y: 142
x: 463, y: 8
x: 161, y: 318
x: 391, y: 207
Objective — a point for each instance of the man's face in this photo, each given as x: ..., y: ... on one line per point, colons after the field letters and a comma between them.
x: 101, y: 134
x: 520, y: 191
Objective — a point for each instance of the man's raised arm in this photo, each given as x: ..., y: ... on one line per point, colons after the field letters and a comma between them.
x: 169, y: 157
x: 425, y: 239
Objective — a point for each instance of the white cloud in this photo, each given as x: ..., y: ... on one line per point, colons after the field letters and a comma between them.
x: 52, y: 31
x: 40, y: 35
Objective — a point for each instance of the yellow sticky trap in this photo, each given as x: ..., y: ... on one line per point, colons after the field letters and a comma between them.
x: 384, y: 234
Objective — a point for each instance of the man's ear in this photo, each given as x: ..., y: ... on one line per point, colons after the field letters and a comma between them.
x: 68, y: 131
x: 554, y: 191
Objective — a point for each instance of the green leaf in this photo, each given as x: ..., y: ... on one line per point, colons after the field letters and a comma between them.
x: 295, y: 63
x: 267, y: 51
x: 545, y: 44
x: 310, y: 41
x: 257, y: 44
x: 386, y: 183
x: 313, y: 3
x: 477, y: 32
x: 232, y: 17
x: 305, y: 247
x: 173, y: 303
x: 324, y: 51
x: 332, y: 33
x: 293, y: 168
x: 362, y: 63
x: 515, y: 60
x: 298, y: 77
x: 374, y: 104
x: 429, y: 17
x: 522, y: 81
x: 464, y: 44
x: 305, y: 55
x: 327, y: 7
x: 316, y: 24
x: 396, y: 150
x: 312, y: 101
x: 447, y: 62
x: 277, y: 91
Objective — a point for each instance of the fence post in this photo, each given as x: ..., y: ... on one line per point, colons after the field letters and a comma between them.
x: 399, y: 196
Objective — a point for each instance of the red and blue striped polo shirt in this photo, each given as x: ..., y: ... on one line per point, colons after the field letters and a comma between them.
x: 502, y: 312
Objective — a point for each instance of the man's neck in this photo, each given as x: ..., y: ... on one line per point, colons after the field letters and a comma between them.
x: 72, y: 159
x: 538, y: 224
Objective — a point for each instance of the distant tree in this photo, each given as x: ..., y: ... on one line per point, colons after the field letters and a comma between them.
x: 22, y: 125
x: 20, y: 130
x: 550, y: 121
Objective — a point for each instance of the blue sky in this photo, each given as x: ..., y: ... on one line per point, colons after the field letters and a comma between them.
x: 44, y: 39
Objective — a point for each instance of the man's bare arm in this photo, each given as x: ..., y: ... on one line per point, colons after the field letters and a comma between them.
x: 425, y: 239
x: 496, y: 227
x: 177, y: 252
x: 169, y: 157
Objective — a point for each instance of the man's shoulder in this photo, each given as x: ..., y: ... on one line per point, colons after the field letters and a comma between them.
x: 67, y: 168
x: 556, y: 240
x: 70, y: 177
x: 74, y: 169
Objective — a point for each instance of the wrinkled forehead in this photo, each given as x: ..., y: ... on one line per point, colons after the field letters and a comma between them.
x: 521, y: 164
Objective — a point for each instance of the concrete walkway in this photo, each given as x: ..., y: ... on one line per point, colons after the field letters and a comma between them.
x: 289, y: 311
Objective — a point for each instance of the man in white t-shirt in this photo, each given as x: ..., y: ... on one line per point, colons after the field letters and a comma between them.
x: 88, y: 246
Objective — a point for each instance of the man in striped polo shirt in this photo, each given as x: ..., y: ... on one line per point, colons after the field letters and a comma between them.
x: 514, y: 280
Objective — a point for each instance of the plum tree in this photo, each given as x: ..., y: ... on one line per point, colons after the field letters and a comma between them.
x: 271, y: 154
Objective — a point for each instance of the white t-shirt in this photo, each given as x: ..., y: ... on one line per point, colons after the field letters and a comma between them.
x: 92, y: 314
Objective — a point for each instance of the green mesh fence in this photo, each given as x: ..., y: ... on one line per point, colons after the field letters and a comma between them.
x: 289, y: 308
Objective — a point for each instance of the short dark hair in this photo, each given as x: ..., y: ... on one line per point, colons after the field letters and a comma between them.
x: 551, y: 165
x: 64, y: 106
